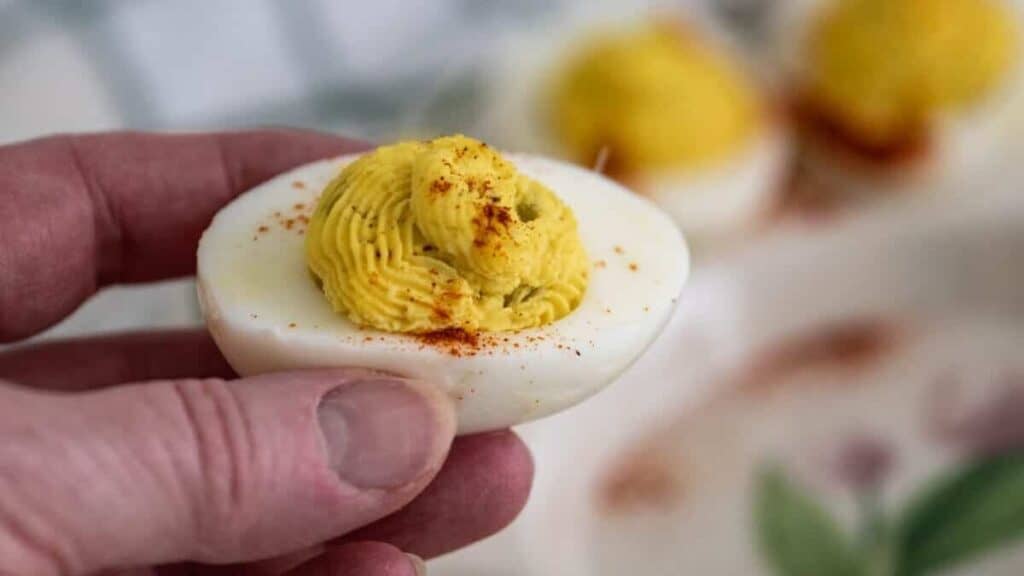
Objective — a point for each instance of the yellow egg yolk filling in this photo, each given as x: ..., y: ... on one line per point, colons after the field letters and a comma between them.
x: 421, y: 237
x: 655, y: 99
x: 884, y: 68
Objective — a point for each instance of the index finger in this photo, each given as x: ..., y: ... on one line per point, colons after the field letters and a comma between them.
x: 81, y: 212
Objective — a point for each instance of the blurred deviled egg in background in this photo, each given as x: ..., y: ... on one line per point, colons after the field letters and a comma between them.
x: 655, y: 103
x: 893, y: 96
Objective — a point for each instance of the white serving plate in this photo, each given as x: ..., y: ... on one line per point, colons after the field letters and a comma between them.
x: 963, y: 258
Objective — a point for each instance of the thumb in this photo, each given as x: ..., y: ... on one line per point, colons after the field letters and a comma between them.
x: 209, y: 470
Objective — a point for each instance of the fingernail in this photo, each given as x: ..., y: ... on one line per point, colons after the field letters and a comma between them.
x: 378, y: 433
x: 418, y: 564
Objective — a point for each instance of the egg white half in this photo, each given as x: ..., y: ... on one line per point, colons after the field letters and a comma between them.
x: 717, y: 204
x: 266, y: 314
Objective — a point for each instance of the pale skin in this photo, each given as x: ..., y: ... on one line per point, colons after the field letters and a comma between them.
x: 143, y: 453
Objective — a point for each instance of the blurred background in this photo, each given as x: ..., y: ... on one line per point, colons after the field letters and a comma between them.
x: 372, y: 71
x: 847, y: 172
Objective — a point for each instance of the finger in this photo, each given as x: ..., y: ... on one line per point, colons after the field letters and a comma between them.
x: 275, y: 566
x: 87, y: 363
x: 207, y: 470
x: 483, y: 486
x: 80, y: 212
x: 362, y: 559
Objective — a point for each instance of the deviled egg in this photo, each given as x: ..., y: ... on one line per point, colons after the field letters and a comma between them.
x: 902, y: 95
x: 658, y: 107
x: 520, y: 284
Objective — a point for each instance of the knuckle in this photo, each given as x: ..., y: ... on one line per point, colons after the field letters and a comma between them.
x: 33, y: 540
x: 228, y: 489
x: 24, y: 550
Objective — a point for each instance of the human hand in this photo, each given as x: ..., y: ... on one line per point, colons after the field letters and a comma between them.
x: 320, y: 472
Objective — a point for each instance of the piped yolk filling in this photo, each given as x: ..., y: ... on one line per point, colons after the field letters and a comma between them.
x: 421, y: 237
x: 654, y: 98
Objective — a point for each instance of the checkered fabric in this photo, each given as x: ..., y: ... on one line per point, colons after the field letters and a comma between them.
x: 355, y: 66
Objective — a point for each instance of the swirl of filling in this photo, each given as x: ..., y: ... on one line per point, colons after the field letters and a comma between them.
x: 420, y: 237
